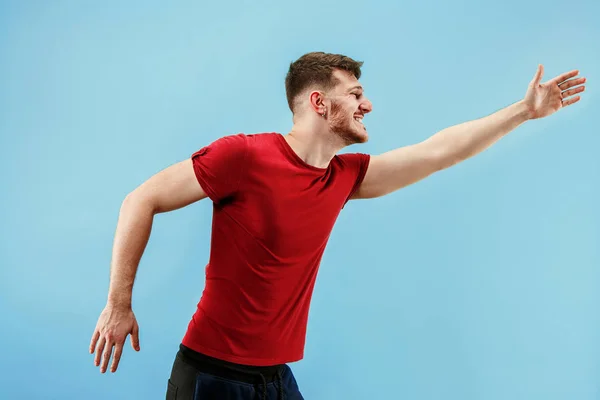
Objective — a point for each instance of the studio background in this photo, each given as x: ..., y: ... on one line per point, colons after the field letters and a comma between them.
x: 480, y: 282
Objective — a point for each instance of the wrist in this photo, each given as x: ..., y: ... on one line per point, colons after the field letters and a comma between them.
x: 524, y: 111
x: 119, y: 301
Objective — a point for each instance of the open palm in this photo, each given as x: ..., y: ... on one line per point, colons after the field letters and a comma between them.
x: 544, y: 99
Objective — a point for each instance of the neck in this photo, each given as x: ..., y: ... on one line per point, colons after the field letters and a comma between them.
x: 315, y: 145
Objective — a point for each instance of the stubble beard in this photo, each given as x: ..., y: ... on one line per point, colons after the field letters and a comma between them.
x: 344, y: 126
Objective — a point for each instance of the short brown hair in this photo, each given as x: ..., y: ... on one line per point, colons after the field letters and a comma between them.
x: 317, y: 68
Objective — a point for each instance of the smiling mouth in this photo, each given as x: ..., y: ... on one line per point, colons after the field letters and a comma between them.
x: 360, y: 121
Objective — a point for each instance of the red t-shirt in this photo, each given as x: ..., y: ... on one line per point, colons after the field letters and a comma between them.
x: 272, y: 217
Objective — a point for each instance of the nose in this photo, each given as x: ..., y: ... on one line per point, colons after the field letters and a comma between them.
x: 366, y: 106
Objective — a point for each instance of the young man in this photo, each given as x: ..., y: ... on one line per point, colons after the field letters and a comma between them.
x: 275, y: 201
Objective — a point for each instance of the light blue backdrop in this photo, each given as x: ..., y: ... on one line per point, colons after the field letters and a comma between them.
x: 480, y: 282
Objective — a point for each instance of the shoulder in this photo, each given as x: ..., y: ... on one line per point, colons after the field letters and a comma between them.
x: 224, y: 144
x: 352, y: 160
x: 233, y: 141
x: 240, y: 145
x: 236, y: 144
x: 353, y: 166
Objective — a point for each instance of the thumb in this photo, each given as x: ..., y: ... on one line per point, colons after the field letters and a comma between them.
x: 135, y: 337
x: 538, y: 75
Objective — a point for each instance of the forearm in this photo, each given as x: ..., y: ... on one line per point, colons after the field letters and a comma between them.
x: 459, y: 142
x: 131, y: 237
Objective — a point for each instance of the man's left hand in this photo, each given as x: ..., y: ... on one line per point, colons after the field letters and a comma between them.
x: 544, y: 99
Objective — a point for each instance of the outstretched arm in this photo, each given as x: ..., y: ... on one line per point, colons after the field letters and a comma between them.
x: 170, y: 189
x: 398, y: 168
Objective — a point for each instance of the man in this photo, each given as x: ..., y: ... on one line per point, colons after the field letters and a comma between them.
x: 275, y: 201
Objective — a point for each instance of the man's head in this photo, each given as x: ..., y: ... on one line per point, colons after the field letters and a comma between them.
x: 322, y: 89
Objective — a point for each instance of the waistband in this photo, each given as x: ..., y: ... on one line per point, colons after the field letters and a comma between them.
x: 228, y: 370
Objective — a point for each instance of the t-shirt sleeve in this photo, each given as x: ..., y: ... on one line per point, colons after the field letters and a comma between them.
x: 219, y: 167
x: 356, y: 165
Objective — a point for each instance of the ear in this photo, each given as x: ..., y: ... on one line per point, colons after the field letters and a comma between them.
x: 317, y: 102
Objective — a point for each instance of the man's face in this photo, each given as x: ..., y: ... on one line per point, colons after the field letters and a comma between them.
x: 347, y: 109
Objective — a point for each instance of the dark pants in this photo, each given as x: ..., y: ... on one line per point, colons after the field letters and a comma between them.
x: 198, y: 377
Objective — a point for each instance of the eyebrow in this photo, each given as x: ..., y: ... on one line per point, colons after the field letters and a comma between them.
x: 355, y: 87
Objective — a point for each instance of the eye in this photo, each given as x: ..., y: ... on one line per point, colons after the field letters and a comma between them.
x: 357, y: 95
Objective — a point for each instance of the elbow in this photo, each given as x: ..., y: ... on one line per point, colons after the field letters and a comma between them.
x: 443, y: 154
x: 443, y: 159
x: 450, y: 162
x: 130, y: 200
x: 137, y: 201
x: 435, y: 156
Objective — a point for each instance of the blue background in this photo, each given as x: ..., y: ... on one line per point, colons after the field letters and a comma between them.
x: 480, y: 282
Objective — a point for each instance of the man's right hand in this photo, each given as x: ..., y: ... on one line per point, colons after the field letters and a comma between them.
x: 113, y: 326
x: 170, y: 189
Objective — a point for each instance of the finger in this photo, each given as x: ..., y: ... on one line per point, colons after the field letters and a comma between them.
x: 135, y: 337
x: 106, y: 356
x: 565, y: 76
x: 116, y: 357
x: 573, y: 82
x: 570, y: 101
x: 537, y: 78
x: 95, y: 337
x: 571, y: 92
x: 99, y: 350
